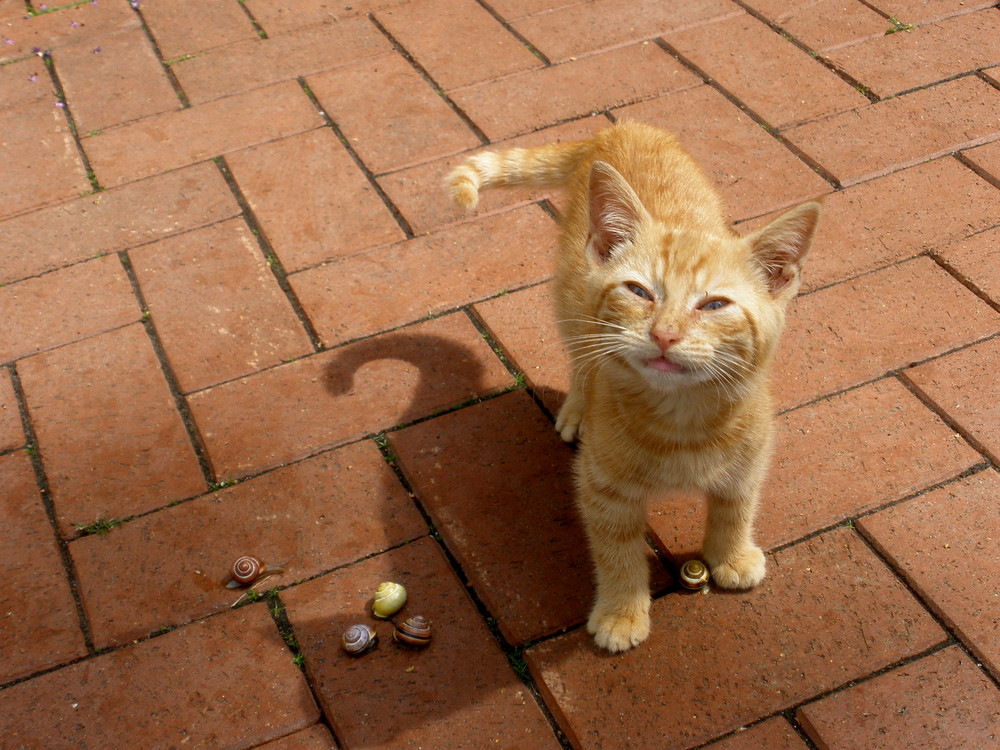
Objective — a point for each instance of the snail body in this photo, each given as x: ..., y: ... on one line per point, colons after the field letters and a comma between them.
x: 413, y: 632
x: 389, y: 599
x: 359, y: 639
x: 694, y: 575
x: 248, y: 569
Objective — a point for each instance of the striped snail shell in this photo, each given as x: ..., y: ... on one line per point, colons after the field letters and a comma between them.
x: 414, y: 632
x: 359, y: 639
x: 248, y: 569
x: 389, y: 599
x: 694, y: 574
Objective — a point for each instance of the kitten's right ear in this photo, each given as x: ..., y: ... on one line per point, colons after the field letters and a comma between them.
x: 616, y: 213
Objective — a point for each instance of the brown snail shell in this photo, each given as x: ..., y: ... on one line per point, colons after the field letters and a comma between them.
x: 359, y: 639
x: 388, y: 600
x: 248, y: 569
x: 694, y: 574
x: 414, y: 632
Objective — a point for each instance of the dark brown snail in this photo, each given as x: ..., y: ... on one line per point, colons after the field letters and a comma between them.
x: 359, y: 639
x: 694, y: 574
x: 413, y: 632
x: 248, y: 569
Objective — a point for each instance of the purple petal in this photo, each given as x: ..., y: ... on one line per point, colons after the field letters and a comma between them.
x: 60, y: 104
x: 96, y: 50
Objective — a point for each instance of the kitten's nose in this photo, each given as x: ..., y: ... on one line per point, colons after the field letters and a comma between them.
x: 664, y: 338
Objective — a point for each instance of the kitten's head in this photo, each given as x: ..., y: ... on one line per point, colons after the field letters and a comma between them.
x: 681, y: 307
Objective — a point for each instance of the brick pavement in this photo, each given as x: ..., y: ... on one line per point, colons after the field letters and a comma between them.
x: 240, y: 316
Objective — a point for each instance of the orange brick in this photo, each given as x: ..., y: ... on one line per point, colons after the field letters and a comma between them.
x: 986, y: 159
x: 181, y: 28
x: 24, y: 81
x: 976, y: 261
x: 11, y: 432
x: 294, y: 14
x: 927, y: 11
x: 826, y: 24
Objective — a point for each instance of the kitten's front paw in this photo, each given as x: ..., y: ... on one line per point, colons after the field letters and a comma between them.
x: 744, y: 571
x: 620, y: 630
x: 569, y: 419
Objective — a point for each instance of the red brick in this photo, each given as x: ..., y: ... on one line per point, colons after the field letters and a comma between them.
x: 191, y: 546
x: 419, y: 193
x: 528, y: 101
x: 284, y: 15
x: 39, y: 628
x: 835, y: 460
x: 102, y: 461
x: 282, y: 57
x: 976, y: 261
x: 389, y: 114
x: 41, y: 162
x: 991, y: 76
x: 604, y: 24
x: 520, y: 533
x: 208, y: 292
x: 176, y: 139
x: 773, y: 734
x: 829, y: 612
x: 311, y: 200
x: 524, y: 325
x: 926, y: 11
x: 824, y: 25
x: 53, y: 30
x: 114, y: 220
x: 64, y: 306
x: 944, y: 543
x: 228, y: 681
x: 986, y: 159
x: 897, y: 133
x: 458, y: 693
x: 901, y: 215
x: 859, y: 330
x: 753, y: 171
x: 120, y: 82
x: 513, y: 9
x: 328, y: 399
x: 941, y: 700
x: 11, y: 432
x: 764, y: 71
x: 457, y: 43
x: 384, y: 288
x: 316, y: 737
x: 24, y: 81
x: 910, y: 59
x: 964, y: 385
x: 180, y: 28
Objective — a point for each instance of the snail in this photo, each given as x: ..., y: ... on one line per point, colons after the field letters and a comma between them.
x: 248, y: 569
x: 694, y: 575
x: 389, y: 599
x: 359, y: 639
x: 413, y: 632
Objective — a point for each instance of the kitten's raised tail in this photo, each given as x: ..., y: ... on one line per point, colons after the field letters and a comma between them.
x: 546, y: 166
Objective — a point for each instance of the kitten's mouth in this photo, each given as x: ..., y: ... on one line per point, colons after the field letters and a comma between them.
x: 664, y: 365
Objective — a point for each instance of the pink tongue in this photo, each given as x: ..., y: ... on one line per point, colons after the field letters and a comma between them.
x: 661, y: 363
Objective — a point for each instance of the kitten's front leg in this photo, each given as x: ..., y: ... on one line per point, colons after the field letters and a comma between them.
x: 735, y: 561
x: 570, y: 414
x: 616, y: 527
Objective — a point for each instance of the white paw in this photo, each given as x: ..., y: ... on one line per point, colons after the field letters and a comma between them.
x: 620, y: 630
x: 569, y: 419
x: 742, y: 571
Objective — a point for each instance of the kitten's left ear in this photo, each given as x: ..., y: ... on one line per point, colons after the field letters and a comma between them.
x: 780, y: 248
x: 616, y: 213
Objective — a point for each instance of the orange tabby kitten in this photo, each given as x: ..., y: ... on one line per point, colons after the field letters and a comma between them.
x: 672, y: 321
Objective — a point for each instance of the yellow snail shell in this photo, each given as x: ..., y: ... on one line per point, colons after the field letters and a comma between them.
x: 414, y: 632
x: 694, y: 574
x: 389, y: 599
x: 248, y: 569
x: 359, y: 639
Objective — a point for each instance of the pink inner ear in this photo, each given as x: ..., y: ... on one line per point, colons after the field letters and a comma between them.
x: 781, y: 247
x: 615, y: 210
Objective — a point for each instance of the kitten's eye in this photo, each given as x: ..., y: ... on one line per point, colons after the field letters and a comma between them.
x: 713, y: 304
x: 638, y: 291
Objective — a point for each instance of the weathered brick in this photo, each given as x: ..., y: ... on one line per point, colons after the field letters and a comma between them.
x: 328, y: 399
x: 531, y: 100
x: 207, y: 292
x: 773, y: 734
x: 21, y: 34
x: 191, y: 547
x: 25, y: 81
x: 986, y: 159
x: 40, y: 628
x: 457, y: 43
x: 101, y: 461
x: 896, y: 133
x: 65, y: 306
x: 227, y: 681
x: 285, y: 15
x: 181, y: 28
x: 11, y: 432
x: 389, y: 114
x: 114, y: 220
x: 459, y: 692
x: 927, y: 11
x: 387, y: 287
x: 828, y: 613
x: 311, y: 200
x: 976, y: 261
x: 764, y: 71
x: 176, y: 139
x: 824, y: 24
